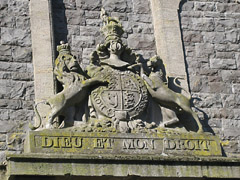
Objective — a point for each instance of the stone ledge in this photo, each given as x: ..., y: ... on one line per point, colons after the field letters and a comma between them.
x: 151, y: 144
x: 122, y: 166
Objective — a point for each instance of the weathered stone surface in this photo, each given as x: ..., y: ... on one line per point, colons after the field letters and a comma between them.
x: 204, y: 50
x: 5, y: 50
x: 204, y: 6
x: 13, y: 36
x: 139, y: 41
x: 6, y: 126
x: 141, y: 6
x: 22, y: 54
x: 15, y: 141
x: 190, y: 167
x: 115, y: 5
x: 89, y: 31
x: 231, y: 76
x: 74, y: 17
x: 223, y: 63
x: 138, y: 144
x: 14, y: 46
x: 23, y: 22
x: 18, y: 8
x: 89, y: 4
x: 82, y: 42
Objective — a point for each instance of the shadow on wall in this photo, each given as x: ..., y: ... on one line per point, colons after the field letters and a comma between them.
x: 205, y: 117
x: 59, y: 22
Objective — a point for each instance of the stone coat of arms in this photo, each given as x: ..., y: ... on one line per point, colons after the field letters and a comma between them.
x: 118, y: 91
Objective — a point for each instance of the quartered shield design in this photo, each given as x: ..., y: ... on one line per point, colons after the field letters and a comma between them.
x: 126, y: 92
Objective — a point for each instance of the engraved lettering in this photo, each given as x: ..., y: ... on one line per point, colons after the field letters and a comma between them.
x: 61, y: 142
x: 205, y: 144
x: 128, y: 144
x: 56, y: 142
x: 170, y: 144
x: 77, y: 142
x: 180, y: 144
x: 138, y: 144
x: 189, y: 145
x: 103, y: 143
x: 47, y: 142
x: 66, y: 142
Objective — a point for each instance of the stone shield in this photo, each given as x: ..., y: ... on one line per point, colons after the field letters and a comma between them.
x: 125, y: 97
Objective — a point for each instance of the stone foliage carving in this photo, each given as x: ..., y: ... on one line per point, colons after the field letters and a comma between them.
x: 119, y: 91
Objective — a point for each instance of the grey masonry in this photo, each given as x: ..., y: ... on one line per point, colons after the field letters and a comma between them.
x: 210, y: 34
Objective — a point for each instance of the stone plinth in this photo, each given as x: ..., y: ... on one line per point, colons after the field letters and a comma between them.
x: 91, y: 165
x: 161, y: 154
x: 133, y: 144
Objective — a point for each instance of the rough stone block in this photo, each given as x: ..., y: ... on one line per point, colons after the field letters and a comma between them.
x: 93, y: 22
x: 23, y: 22
x: 141, y: 41
x: 22, y: 54
x: 69, y: 4
x: 5, y: 50
x: 74, y: 17
x: 207, y: 100
x: 121, y: 16
x: 18, y: 90
x: 14, y: 36
x: 89, y: 31
x: 236, y: 88
x: 199, y: 84
x: 89, y: 4
x: 220, y: 87
x: 230, y: 101
x: 7, y: 21
x: 232, y: 36
x: 22, y: 76
x: 231, y: 76
x: 29, y: 96
x: 3, y: 146
x: 18, y: 8
x: 214, y: 37
x: 10, y: 104
x: 6, y: 126
x: 5, y: 89
x: 202, y: 24
x: 192, y: 36
x: 231, y: 128
x: 22, y: 115
x: 15, y: 141
x: 82, y: 42
x: 4, y: 115
x: 86, y: 55
x: 204, y: 6
x: 143, y: 18
x: 5, y: 75
x: 115, y: 5
x: 73, y: 30
x: 223, y: 63
x: 204, y: 49
x: 225, y: 24
x: 187, y: 6
x: 141, y: 6
x: 92, y: 14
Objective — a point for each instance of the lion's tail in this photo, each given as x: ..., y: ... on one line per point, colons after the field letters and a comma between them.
x: 176, y: 84
x: 31, y: 126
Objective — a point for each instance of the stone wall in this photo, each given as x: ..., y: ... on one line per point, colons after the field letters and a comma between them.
x: 16, y: 74
x: 78, y: 22
x: 211, y: 37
